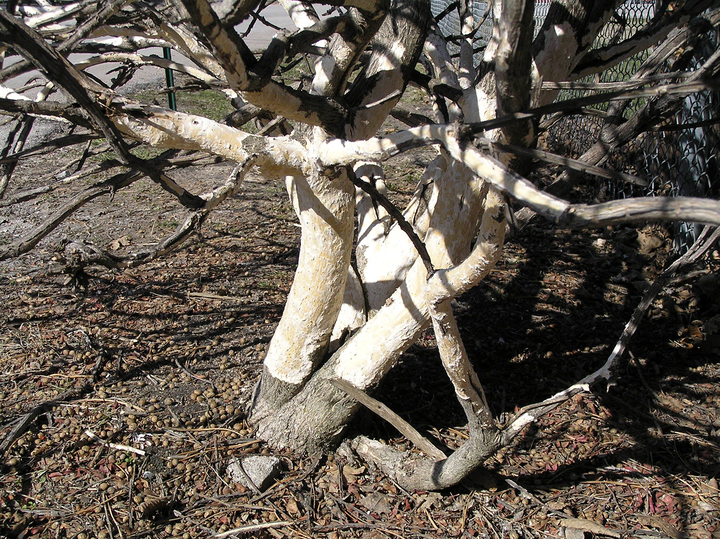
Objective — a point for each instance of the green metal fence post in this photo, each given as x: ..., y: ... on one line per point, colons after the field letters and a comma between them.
x: 169, y: 79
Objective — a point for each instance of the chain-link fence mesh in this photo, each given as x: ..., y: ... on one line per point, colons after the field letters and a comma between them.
x: 673, y: 161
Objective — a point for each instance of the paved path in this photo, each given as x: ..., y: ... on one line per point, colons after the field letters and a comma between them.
x: 261, y: 34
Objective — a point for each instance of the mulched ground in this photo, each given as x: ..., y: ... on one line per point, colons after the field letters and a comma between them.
x: 138, y: 385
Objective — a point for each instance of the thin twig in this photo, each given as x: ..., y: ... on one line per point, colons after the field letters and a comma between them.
x: 192, y: 375
x: 398, y: 216
x: 254, y: 528
x: 118, y: 447
x: 107, y: 516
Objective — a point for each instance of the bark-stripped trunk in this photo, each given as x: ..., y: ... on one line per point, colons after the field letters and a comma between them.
x: 326, y: 209
x: 301, y: 341
x: 392, y: 275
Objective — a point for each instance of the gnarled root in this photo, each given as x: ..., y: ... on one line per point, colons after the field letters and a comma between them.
x: 418, y: 473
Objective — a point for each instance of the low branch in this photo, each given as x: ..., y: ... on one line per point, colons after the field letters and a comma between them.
x: 59, y: 142
x: 139, y: 60
x: 103, y: 166
x: 557, y: 210
x: 30, y: 194
x: 69, y: 112
x: 80, y: 255
x: 403, y: 427
x: 424, y: 474
x: 619, y: 85
x: 690, y: 209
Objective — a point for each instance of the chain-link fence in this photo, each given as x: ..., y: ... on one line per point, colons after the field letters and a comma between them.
x: 674, y: 161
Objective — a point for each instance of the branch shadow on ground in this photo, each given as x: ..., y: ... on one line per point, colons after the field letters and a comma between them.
x: 548, y: 316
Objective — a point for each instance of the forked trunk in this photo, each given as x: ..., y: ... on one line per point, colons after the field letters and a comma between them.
x: 326, y: 206
x: 395, y: 283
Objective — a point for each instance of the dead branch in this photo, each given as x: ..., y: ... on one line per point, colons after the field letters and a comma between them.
x: 105, y: 187
x: 78, y: 255
x: 391, y: 417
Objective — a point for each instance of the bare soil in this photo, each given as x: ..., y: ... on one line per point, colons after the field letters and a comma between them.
x: 136, y: 385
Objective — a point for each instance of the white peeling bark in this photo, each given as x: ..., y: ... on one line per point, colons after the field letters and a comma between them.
x: 375, y: 349
x: 163, y: 128
x: 436, y: 51
x: 567, y: 34
x: 384, y: 252
x: 447, y: 284
x: 353, y: 313
x: 314, y: 305
x: 302, y: 14
x: 316, y: 417
x: 326, y: 209
x: 185, y: 40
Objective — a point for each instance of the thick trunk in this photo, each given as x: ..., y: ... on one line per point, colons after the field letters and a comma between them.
x: 326, y: 208
x: 316, y: 417
x: 447, y: 214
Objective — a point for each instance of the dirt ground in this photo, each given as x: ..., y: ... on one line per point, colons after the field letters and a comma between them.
x: 137, y: 384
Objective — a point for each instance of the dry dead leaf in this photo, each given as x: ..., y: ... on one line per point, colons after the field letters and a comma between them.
x: 589, y: 526
x: 432, y: 500
x: 376, y: 503
x: 660, y: 524
x: 120, y: 242
x: 351, y: 474
x: 292, y: 507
